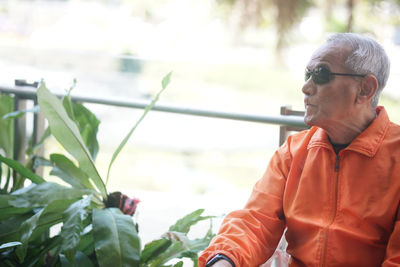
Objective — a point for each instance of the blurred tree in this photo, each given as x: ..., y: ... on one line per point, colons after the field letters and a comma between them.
x: 286, y: 13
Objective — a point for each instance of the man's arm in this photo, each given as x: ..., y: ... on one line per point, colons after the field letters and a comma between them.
x: 392, y: 258
x: 250, y: 236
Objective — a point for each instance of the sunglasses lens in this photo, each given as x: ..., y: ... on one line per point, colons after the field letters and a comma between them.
x: 307, y: 75
x: 321, y: 75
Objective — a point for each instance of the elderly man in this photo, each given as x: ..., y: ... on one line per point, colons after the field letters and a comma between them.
x: 335, y: 187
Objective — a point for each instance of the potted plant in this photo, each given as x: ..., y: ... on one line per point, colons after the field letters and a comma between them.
x: 97, y: 228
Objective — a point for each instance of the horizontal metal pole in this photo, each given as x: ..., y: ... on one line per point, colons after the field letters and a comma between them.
x: 284, y: 120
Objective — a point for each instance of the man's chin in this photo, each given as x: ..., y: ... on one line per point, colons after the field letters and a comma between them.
x: 309, y: 121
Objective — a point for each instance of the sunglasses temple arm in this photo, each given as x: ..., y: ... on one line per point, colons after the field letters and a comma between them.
x: 347, y: 74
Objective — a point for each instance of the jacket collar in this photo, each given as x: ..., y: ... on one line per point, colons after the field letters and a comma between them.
x: 367, y: 143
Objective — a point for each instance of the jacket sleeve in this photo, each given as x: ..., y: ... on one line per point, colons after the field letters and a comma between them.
x: 250, y: 236
x: 392, y: 258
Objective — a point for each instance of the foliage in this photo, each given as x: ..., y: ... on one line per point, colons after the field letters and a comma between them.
x: 6, y: 139
x: 287, y: 13
x: 95, y: 227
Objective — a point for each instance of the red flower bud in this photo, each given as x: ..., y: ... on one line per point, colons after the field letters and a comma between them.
x: 123, y: 202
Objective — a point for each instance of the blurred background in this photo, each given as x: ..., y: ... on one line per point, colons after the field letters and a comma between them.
x: 242, y: 56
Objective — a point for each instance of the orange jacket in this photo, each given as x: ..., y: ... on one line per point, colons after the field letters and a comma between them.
x: 339, y: 210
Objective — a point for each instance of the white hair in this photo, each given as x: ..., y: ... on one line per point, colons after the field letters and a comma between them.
x: 367, y: 57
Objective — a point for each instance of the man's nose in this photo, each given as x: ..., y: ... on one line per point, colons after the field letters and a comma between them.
x: 308, y: 87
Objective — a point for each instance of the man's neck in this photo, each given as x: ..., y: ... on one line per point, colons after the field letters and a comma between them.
x: 345, y: 131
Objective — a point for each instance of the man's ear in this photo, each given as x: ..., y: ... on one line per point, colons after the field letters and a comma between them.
x: 368, y: 88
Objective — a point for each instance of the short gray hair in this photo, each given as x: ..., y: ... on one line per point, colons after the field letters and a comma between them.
x: 367, y: 57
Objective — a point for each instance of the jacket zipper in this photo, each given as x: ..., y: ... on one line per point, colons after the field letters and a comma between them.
x: 334, y: 210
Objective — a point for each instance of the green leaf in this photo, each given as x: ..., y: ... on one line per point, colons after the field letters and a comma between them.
x: 116, y: 240
x: 67, y: 104
x: 25, y: 172
x: 180, y: 246
x: 80, y: 260
x: 67, y: 171
x: 37, y: 254
x: 153, y: 249
x: 9, y: 227
x: 86, y: 244
x: 6, y: 210
x: 42, y: 194
x: 73, y: 226
x: 6, y: 126
x: 86, y: 121
x: 183, y: 225
x: 88, y: 125
x: 166, y: 80
x: 9, y: 211
x: 27, y: 228
x: 35, y: 226
x: 165, y: 83
x: 19, y: 113
x: 67, y: 133
x: 10, y: 245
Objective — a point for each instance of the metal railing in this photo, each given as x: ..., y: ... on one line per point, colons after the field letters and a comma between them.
x: 23, y: 91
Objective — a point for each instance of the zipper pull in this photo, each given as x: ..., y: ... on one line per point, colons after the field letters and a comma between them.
x: 337, y: 163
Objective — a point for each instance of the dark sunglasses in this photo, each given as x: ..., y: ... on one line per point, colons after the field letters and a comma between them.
x: 322, y: 75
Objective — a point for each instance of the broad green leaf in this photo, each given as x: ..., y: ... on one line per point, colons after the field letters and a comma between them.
x: 67, y: 104
x: 116, y: 240
x: 25, y: 172
x: 37, y: 254
x: 6, y: 210
x: 19, y: 113
x: 153, y: 249
x: 66, y: 132
x: 165, y: 83
x: 66, y: 170
x: 80, y: 260
x: 86, y: 244
x: 183, y: 225
x: 27, y: 228
x: 40, y: 222
x: 53, y: 214
x: 73, y: 226
x: 86, y: 121
x: 6, y: 125
x: 9, y: 211
x: 43, y: 194
x: 10, y: 227
x: 10, y: 245
x: 88, y: 125
x: 181, y: 247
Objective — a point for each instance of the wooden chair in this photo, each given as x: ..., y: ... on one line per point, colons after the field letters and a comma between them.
x: 285, y: 131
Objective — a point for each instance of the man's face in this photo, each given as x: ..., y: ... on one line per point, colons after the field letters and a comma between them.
x: 333, y: 103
